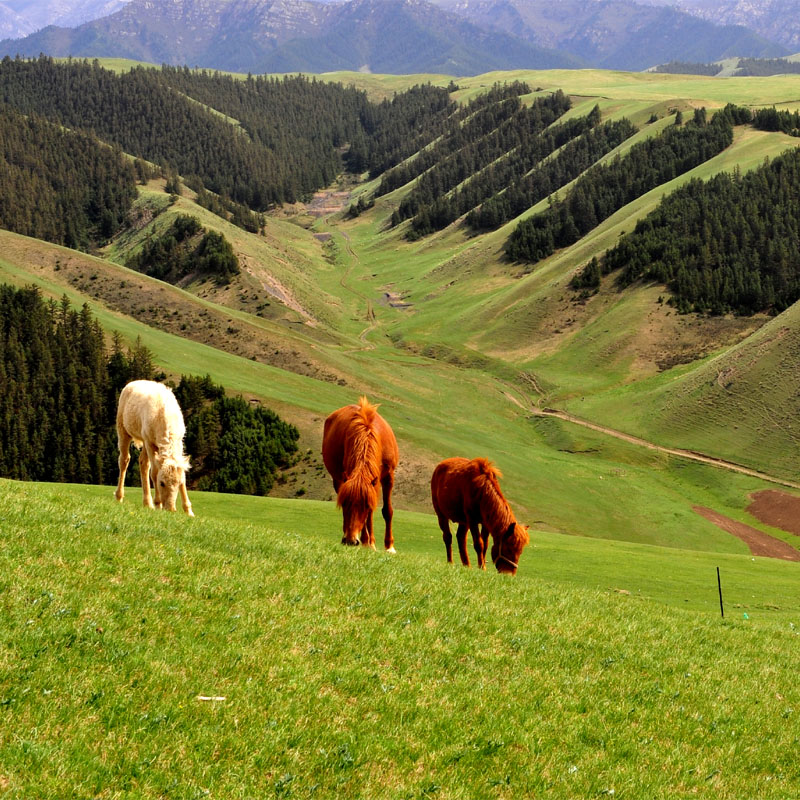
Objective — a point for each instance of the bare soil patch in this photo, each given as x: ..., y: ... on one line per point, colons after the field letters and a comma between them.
x: 760, y: 543
x: 327, y: 202
x: 776, y: 508
x: 394, y: 300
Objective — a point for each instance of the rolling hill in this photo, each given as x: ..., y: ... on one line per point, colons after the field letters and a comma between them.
x: 244, y: 651
x: 328, y: 306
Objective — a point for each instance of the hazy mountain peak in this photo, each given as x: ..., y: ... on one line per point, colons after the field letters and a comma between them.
x: 457, y: 37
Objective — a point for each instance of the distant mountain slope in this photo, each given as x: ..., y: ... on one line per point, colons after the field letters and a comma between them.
x: 32, y: 15
x: 777, y: 20
x: 617, y: 34
x: 11, y: 23
x: 398, y: 36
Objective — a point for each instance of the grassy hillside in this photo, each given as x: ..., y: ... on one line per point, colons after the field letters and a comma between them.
x: 578, y: 483
x: 340, y: 673
x: 455, y: 343
x: 744, y: 400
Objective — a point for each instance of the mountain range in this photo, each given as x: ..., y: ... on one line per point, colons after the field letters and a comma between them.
x: 776, y: 20
x: 455, y: 37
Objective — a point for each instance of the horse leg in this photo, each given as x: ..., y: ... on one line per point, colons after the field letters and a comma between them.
x: 367, y: 533
x: 485, y: 540
x: 387, y: 482
x: 461, y: 538
x: 152, y: 453
x: 124, y: 442
x: 447, y: 536
x: 477, y: 542
x: 144, y: 471
x: 187, y: 506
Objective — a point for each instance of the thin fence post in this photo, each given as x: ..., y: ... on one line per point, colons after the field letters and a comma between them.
x: 719, y: 586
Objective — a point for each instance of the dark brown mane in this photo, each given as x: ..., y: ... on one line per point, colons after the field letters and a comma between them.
x: 468, y: 493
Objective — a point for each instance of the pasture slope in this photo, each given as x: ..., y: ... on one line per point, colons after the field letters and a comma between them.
x: 557, y: 477
x: 603, y: 669
x: 448, y: 389
x: 245, y: 653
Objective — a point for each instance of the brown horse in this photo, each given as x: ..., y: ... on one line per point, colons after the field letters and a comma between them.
x: 359, y: 449
x: 468, y: 493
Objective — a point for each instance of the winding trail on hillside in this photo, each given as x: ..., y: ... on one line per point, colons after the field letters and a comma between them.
x: 373, y: 320
x: 692, y: 455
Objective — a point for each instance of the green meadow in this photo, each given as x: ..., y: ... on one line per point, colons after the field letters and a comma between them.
x: 245, y: 653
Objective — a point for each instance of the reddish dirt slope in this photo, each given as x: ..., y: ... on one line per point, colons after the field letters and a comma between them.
x: 760, y: 543
x: 778, y: 509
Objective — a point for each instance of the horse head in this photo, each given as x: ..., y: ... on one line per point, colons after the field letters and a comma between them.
x: 171, y: 475
x: 357, y: 497
x: 507, y: 548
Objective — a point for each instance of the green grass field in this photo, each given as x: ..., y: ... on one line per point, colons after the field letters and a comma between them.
x: 602, y: 670
x: 348, y: 673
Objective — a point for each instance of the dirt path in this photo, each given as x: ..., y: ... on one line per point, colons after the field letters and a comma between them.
x: 372, y: 319
x: 760, y: 543
x: 673, y: 451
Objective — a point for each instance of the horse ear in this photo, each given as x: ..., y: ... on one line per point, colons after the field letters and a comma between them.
x: 510, y: 530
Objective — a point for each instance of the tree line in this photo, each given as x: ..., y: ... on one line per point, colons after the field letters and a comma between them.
x: 285, y: 148
x: 503, y: 131
x: 466, y: 123
x: 185, y: 248
x: 770, y: 119
x: 689, y: 68
x: 59, y: 401
x: 393, y: 130
x: 571, y: 160
x: 746, y: 67
x: 605, y: 188
x: 61, y: 186
x: 766, y: 66
x: 731, y: 243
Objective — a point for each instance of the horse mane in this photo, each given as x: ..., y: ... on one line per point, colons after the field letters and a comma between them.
x: 181, y: 461
x: 172, y: 430
x: 362, y: 460
x: 495, y: 511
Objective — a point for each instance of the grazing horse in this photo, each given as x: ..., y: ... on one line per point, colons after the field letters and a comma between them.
x: 359, y: 449
x: 149, y: 416
x: 468, y: 493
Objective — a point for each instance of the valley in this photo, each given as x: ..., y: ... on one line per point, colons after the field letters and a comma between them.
x: 245, y: 652
x: 459, y: 346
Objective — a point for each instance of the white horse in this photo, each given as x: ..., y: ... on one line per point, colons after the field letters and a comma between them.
x: 149, y: 416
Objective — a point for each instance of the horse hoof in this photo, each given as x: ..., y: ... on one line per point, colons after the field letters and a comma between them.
x: 189, y: 512
x: 391, y: 550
